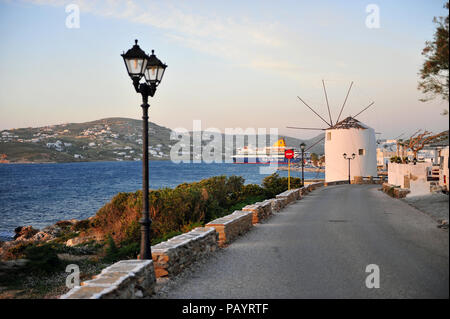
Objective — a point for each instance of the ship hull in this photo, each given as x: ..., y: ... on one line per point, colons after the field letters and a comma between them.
x: 263, y: 160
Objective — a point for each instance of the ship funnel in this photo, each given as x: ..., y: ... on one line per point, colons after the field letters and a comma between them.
x: 280, y: 143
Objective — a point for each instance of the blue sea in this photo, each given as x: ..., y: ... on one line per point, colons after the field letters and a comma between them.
x: 42, y: 194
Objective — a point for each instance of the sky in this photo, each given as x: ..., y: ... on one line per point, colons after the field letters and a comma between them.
x: 230, y: 63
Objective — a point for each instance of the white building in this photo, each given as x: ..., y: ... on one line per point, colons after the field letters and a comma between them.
x: 444, y: 167
x: 428, y: 155
x: 410, y: 176
x: 386, y: 149
x: 58, y: 145
x: 350, y: 136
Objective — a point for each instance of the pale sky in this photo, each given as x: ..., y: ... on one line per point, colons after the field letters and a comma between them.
x: 230, y: 63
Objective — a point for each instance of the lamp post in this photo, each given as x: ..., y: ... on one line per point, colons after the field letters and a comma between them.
x: 302, y: 148
x: 139, y: 65
x: 349, y: 159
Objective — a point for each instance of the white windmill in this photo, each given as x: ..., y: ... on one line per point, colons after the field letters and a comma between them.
x: 342, y: 140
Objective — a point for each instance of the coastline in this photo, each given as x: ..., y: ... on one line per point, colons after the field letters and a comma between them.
x: 76, y: 183
x: 93, y: 161
x: 305, y: 169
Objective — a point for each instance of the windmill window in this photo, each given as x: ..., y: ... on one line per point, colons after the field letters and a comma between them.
x: 361, y: 151
x: 329, y: 136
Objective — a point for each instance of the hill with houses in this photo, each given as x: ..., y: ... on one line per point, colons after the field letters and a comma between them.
x: 110, y: 139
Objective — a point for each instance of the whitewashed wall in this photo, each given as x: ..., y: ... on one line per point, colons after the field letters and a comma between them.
x: 443, y: 181
x: 416, y: 175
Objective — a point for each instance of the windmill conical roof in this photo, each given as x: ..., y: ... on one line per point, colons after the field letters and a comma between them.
x: 347, y: 123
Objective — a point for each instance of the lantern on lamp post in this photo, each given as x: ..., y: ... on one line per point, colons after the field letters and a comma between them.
x: 349, y: 159
x: 139, y: 65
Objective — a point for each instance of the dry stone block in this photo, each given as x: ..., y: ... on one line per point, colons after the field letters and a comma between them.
x: 260, y: 211
x: 277, y: 204
x: 126, y: 279
x: 231, y: 226
x: 290, y: 195
x: 393, y: 191
x: 174, y: 255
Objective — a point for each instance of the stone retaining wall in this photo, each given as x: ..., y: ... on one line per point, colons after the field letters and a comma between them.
x: 359, y: 180
x: 291, y: 195
x: 260, y: 211
x: 277, y: 204
x: 172, y: 256
x: 231, y: 226
x: 393, y: 191
x: 126, y: 279
x: 335, y: 183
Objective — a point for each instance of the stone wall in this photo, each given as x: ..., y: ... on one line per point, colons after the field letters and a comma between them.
x: 126, y: 279
x: 335, y: 183
x: 231, y: 226
x: 277, y: 204
x: 292, y: 195
x: 359, y: 180
x: 260, y: 211
x: 394, y: 191
x: 172, y: 256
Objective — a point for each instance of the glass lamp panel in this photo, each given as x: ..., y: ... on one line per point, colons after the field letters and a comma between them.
x: 136, y: 66
x: 151, y: 73
x: 160, y: 73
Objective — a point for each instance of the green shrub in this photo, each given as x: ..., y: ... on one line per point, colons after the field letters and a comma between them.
x: 247, y: 201
x: 251, y: 190
x: 81, y: 225
x: 127, y: 250
x: 111, y: 250
x: 65, y: 236
x: 42, y: 259
x: 18, y: 250
x: 274, y: 184
x: 176, y: 210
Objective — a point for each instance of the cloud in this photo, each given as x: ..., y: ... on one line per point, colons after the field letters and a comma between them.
x: 239, y: 40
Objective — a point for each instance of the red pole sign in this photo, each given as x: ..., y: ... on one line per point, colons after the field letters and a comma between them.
x: 289, y: 154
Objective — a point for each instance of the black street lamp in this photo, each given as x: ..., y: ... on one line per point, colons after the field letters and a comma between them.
x: 302, y: 148
x: 139, y: 65
x: 349, y: 159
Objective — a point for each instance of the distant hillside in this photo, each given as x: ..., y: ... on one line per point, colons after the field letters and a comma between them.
x: 110, y: 139
x: 103, y: 140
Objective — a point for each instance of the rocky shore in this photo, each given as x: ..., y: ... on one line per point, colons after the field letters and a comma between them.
x: 32, y: 265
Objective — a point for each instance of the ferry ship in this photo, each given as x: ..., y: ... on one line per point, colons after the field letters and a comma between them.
x: 265, y: 155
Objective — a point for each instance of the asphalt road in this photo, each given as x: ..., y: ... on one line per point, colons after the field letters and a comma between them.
x: 320, y: 246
